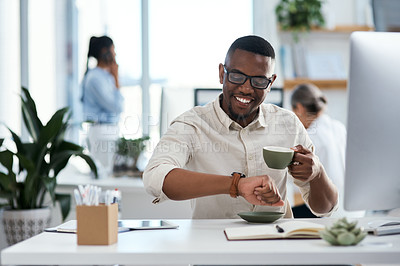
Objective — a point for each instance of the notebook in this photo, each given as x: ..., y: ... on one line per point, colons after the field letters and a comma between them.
x: 290, y: 229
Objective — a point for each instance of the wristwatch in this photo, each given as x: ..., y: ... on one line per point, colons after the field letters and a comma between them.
x: 234, y: 191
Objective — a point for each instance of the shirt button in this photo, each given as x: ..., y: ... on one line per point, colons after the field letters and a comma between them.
x: 250, y: 157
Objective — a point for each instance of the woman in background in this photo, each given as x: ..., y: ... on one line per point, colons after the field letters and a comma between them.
x: 328, y: 136
x: 102, y: 101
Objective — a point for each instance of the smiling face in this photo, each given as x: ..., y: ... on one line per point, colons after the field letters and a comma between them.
x: 241, y: 102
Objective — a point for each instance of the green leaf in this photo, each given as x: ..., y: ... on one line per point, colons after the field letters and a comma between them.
x: 50, y: 184
x: 90, y: 162
x: 17, y: 141
x: 30, y: 191
x: 7, y: 183
x: 60, y: 160
x: 26, y: 163
x: 6, y: 159
x: 65, y: 204
x: 29, y: 115
x: 60, y: 136
x: 50, y: 131
x: 65, y: 145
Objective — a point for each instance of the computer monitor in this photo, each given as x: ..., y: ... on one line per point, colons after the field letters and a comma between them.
x: 372, y: 175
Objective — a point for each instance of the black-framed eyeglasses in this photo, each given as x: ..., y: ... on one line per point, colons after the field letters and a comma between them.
x: 257, y: 82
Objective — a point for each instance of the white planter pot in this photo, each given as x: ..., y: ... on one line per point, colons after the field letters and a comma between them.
x: 23, y: 224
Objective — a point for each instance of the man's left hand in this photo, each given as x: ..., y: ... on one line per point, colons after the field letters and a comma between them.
x: 305, y: 166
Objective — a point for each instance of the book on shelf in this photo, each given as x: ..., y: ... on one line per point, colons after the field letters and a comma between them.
x: 299, y: 60
x: 290, y: 229
x: 287, y: 61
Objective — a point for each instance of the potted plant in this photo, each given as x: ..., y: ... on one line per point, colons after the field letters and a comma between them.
x: 299, y: 15
x: 127, y: 154
x: 28, y: 170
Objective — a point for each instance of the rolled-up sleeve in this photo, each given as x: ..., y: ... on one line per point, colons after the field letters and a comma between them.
x: 173, y: 151
x: 304, y: 187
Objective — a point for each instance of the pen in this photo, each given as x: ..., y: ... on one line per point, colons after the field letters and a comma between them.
x: 279, y: 229
x: 78, y: 198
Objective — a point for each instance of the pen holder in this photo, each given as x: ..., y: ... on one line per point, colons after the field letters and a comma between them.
x: 97, y: 225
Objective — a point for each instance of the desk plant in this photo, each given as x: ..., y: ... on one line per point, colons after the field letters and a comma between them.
x: 343, y: 233
x: 299, y: 15
x: 28, y: 171
x: 127, y: 155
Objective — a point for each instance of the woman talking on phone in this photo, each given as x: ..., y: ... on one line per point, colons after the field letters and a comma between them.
x: 102, y: 100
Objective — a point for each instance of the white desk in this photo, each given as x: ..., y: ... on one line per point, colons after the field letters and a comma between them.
x: 136, y: 202
x: 198, y: 242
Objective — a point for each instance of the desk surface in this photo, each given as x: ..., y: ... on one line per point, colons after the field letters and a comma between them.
x: 71, y: 177
x: 199, y: 242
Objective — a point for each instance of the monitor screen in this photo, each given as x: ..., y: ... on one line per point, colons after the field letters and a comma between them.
x: 372, y: 175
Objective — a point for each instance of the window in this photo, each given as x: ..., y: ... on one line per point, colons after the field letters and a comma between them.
x: 187, y: 41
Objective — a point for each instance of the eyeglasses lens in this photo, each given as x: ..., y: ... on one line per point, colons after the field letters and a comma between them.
x: 256, y: 82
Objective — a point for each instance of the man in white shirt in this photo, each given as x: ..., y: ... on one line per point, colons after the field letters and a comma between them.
x: 207, y: 150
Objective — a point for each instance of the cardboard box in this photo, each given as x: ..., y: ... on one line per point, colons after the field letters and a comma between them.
x: 97, y: 225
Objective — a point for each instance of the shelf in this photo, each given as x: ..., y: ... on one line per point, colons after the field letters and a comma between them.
x: 351, y: 28
x: 345, y: 29
x: 322, y: 84
x: 338, y: 29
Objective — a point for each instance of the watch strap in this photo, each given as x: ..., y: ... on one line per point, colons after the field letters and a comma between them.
x: 234, y: 191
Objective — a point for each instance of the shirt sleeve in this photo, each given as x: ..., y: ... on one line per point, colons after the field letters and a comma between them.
x: 173, y: 151
x: 304, y: 187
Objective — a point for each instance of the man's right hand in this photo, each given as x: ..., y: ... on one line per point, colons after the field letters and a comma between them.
x: 260, y: 190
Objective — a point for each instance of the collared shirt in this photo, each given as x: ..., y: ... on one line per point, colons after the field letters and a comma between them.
x: 205, y: 139
x: 102, y: 101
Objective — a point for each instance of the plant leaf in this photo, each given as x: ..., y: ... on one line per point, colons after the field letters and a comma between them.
x: 6, y: 159
x: 53, y: 128
x: 50, y: 184
x: 17, y: 141
x: 60, y: 160
x: 7, y: 184
x: 90, y: 162
x: 65, y: 204
x: 26, y: 163
x: 29, y: 115
x: 66, y: 145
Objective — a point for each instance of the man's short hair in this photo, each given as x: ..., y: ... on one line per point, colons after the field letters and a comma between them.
x: 253, y: 44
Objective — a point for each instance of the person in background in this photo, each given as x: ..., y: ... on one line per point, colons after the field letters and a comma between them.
x: 212, y: 154
x: 102, y: 100
x: 328, y: 136
x: 101, y: 97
